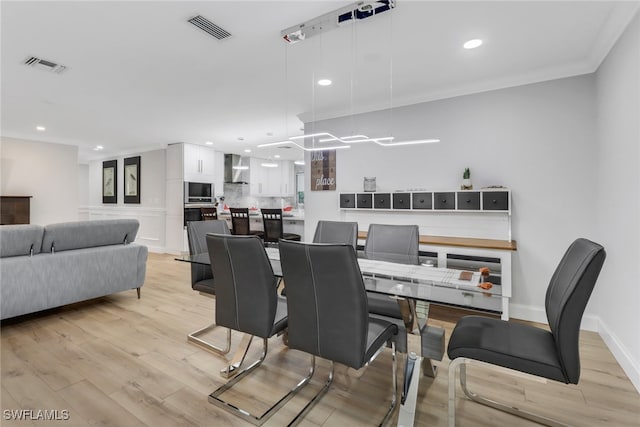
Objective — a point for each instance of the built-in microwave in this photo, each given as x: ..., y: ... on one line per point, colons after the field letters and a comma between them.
x: 198, y: 192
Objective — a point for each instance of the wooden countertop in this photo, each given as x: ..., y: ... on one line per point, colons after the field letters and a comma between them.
x: 463, y: 242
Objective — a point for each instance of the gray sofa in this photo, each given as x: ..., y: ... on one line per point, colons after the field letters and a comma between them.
x: 46, y: 267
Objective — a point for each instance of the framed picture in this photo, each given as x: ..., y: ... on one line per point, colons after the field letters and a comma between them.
x: 323, y: 170
x: 132, y: 180
x: 110, y: 181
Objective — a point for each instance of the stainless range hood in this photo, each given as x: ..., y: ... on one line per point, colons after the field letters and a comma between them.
x: 236, y: 169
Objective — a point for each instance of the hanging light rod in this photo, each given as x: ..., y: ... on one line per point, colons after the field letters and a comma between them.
x: 302, y: 147
x: 386, y: 141
x: 353, y: 139
x: 355, y: 11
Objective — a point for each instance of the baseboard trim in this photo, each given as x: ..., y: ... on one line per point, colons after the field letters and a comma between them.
x: 630, y: 366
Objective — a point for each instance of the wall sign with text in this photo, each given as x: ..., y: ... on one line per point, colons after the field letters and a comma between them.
x: 323, y: 170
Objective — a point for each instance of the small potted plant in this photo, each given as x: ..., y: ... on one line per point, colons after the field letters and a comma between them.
x: 466, y: 180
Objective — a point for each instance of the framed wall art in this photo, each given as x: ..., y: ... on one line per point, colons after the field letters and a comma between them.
x: 110, y: 181
x: 132, y: 180
x: 323, y: 170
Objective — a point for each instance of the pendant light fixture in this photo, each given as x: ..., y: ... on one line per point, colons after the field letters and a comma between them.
x: 321, y: 141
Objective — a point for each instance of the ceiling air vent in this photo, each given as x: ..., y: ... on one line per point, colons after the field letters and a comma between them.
x: 43, y: 64
x: 209, y: 27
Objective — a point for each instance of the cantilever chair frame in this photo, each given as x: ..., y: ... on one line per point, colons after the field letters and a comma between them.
x: 242, y: 413
x: 461, y: 363
x: 261, y: 267
x: 194, y: 337
x: 330, y: 376
x: 578, y: 281
x: 329, y: 380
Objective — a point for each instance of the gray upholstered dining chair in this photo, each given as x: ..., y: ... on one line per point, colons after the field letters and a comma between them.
x: 335, y: 328
x: 336, y: 232
x: 550, y: 354
x: 202, y: 275
x: 393, y: 243
x: 273, y: 228
x: 246, y: 301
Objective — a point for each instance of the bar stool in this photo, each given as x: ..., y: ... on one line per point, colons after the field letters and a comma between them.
x: 209, y: 213
x: 240, y: 223
x: 272, y: 222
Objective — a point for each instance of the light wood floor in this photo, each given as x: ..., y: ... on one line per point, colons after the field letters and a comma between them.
x: 120, y: 361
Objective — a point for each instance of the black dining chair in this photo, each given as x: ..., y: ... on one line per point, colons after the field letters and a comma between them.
x: 552, y: 354
x: 246, y: 301
x: 273, y: 228
x: 399, y: 244
x: 202, y: 275
x: 240, y: 224
x: 336, y: 232
x: 328, y: 312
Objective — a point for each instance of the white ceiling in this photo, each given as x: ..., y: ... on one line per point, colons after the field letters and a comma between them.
x: 139, y: 76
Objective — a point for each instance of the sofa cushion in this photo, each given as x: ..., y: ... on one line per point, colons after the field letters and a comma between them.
x: 16, y: 240
x: 85, y: 234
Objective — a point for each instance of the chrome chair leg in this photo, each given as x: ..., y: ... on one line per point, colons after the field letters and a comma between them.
x: 239, y: 355
x: 315, y: 398
x: 327, y: 384
x: 513, y: 410
x: 194, y: 337
x: 255, y: 419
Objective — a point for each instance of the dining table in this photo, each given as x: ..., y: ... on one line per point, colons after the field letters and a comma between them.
x: 421, y: 284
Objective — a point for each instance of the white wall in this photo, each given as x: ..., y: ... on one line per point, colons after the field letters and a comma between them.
x: 539, y: 140
x: 151, y: 210
x: 618, y: 199
x: 48, y: 172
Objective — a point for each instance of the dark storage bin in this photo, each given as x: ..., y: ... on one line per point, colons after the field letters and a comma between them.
x: 495, y: 200
x: 347, y: 200
x: 364, y: 200
x: 469, y: 200
x: 444, y: 200
x: 382, y: 201
x: 422, y: 200
x: 401, y: 201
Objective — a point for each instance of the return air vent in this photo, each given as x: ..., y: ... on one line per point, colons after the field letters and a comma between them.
x: 44, y: 64
x: 209, y: 27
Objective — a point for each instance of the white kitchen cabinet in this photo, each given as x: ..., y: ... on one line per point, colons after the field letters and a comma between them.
x: 199, y: 163
x: 187, y: 162
x: 271, y: 182
x: 287, y: 179
x: 257, y: 177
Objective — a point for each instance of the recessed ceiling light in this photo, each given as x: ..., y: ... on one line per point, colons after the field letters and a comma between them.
x: 209, y: 143
x: 246, y: 150
x: 41, y: 128
x: 324, y: 82
x: 472, y: 44
x: 277, y: 156
x: 299, y: 162
x: 98, y: 148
